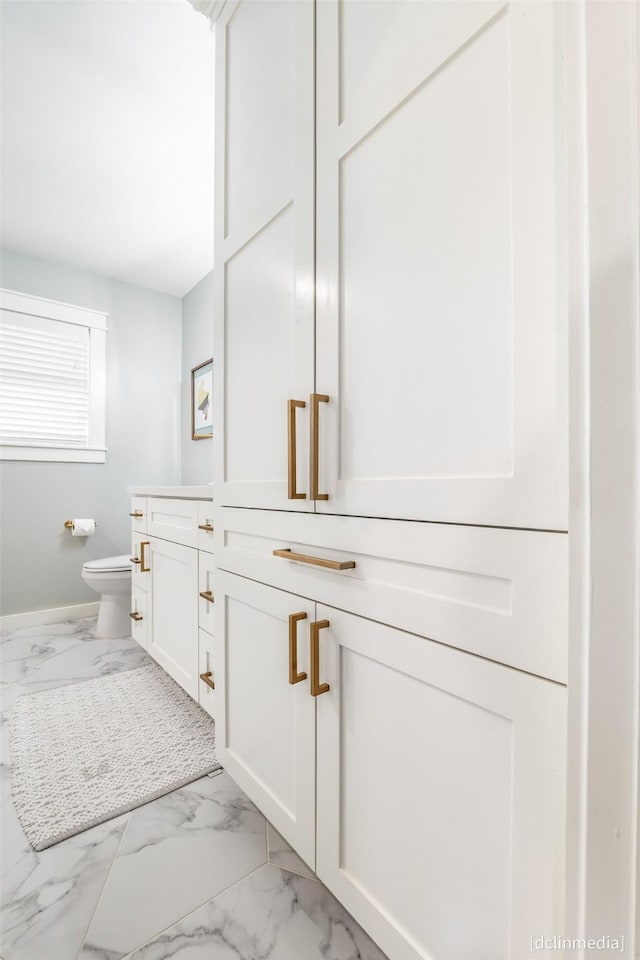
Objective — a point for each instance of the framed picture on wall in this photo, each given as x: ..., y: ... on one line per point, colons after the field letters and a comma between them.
x: 202, y: 401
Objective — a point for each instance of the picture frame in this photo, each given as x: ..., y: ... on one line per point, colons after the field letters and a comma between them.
x: 202, y: 400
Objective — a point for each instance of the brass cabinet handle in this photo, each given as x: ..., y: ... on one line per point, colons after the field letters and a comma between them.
x: 315, y: 400
x: 134, y: 560
x: 207, y: 595
x: 205, y: 526
x: 137, y: 513
x: 314, y: 634
x: 294, y: 676
x: 206, y: 678
x: 143, y: 568
x: 292, y: 493
x: 315, y: 561
x: 136, y: 616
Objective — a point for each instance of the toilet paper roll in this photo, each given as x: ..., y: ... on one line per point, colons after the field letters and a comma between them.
x: 83, y: 528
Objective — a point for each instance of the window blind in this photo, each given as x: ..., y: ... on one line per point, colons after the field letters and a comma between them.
x: 44, y: 382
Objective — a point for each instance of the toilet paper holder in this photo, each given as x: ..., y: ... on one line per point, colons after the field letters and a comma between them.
x: 69, y: 523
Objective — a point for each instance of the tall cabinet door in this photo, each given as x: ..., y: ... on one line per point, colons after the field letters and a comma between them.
x: 440, y: 794
x: 264, y: 251
x: 265, y: 714
x: 441, y: 300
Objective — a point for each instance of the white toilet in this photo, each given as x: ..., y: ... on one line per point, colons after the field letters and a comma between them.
x: 111, y: 578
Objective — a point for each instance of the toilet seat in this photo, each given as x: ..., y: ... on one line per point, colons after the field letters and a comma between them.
x: 119, y: 564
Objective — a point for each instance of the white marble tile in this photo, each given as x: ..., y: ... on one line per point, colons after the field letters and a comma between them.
x: 283, y: 855
x: 271, y: 915
x: 48, y: 898
x: 177, y: 853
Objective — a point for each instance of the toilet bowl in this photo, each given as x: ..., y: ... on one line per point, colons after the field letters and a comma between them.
x: 111, y: 578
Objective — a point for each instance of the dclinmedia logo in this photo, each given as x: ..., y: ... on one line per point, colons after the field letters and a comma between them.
x: 564, y: 943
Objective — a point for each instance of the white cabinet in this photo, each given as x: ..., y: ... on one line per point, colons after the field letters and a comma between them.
x: 139, y: 620
x: 207, y: 695
x: 440, y: 775
x: 440, y: 794
x: 173, y: 611
x: 264, y: 245
x: 441, y: 320
x: 391, y: 306
x: 265, y: 736
x: 172, y: 597
x: 206, y: 526
x: 439, y: 355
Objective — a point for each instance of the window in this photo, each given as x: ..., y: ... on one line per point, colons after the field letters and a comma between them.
x: 52, y: 380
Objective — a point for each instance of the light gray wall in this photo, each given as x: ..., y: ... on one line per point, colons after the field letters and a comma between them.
x: 197, y: 346
x: 40, y: 561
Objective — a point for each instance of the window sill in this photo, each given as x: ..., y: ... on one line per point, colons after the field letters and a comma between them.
x: 60, y: 454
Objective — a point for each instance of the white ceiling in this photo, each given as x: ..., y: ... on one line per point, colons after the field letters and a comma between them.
x: 107, y: 137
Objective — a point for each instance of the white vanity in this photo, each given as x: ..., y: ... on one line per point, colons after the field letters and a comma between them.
x: 172, y: 583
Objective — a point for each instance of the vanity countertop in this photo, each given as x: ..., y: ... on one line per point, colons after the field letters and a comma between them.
x: 177, y: 491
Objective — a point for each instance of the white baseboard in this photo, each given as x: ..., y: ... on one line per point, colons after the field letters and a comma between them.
x: 33, y: 618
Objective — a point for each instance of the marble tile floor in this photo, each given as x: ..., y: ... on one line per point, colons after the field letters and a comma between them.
x: 196, y: 875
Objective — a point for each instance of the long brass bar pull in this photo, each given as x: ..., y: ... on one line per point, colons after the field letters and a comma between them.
x: 288, y: 554
x: 292, y: 493
x: 206, y: 678
x: 314, y: 633
x: 315, y: 400
x: 143, y: 568
x: 294, y: 676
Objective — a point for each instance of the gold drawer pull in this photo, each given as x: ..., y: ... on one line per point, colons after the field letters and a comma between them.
x: 134, y: 560
x: 314, y: 634
x: 136, y: 616
x: 207, y: 595
x: 292, y: 462
x: 137, y: 513
x: 315, y: 561
x: 294, y: 676
x: 143, y: 568
x: 315, y: 400
x: 205, y: 526
x: 206, y: 678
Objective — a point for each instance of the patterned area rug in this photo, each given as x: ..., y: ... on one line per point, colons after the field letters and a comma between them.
x: 90, y: 751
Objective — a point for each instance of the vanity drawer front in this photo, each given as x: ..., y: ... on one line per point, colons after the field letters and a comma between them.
x: 206, y: 696
x: 139, y: 616
x: 175, y: 520
x: 140, y: 564
x: 499, y: 593
x: 205, y: 521
x: 138, y: 514
x: 206, y: 606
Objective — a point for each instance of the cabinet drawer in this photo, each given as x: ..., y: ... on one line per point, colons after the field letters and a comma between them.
x: 139, y: 616
x: 205, y: 521
x: 138, y: 514
x: 502, y: 594
x: 206, y: 606
x: 175, y: 520
x: 206, y: 696
x: 140, y: 566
